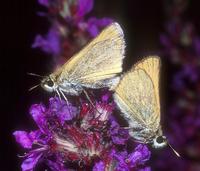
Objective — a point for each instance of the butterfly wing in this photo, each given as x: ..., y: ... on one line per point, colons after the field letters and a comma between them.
x: 151, y: 66
x: 98, y: 64
x: 137, y: 97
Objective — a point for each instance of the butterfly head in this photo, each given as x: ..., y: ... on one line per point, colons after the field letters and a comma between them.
x: 159, y: 141
x: 48, y: 83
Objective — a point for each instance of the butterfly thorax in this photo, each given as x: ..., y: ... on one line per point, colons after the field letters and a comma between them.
x: 55, y: 83
x: 69, y: 87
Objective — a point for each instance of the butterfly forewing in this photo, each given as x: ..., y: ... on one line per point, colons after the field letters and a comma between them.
x: 137, y: 97
x: 99, y: 62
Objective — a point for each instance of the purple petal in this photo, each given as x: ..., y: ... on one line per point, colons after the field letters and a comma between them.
x: 114, y: 128
x: 50, y: 43
x: 55, y: 104
x: 66, y: 113
x: 34, y: 135
x: 84, y: 7
x: 62, y: 110
x: 44, y: 2
x: 56, y: 166
x: 106, y: 97
x: 99, y: 166
x: 121, y: 157
x: 29, y: 163
x: 190, y: 72
x: 95, y: 25
x: 164, y: 40
x: 118, y: 135
x: 120, y: 138
x: 38, y: 113
x: 23, y: 138
x: 128, y: 161
x: 140, y: 155
x: 178, y: 80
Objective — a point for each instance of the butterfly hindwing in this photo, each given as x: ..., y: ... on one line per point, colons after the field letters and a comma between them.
x: 137, y: 99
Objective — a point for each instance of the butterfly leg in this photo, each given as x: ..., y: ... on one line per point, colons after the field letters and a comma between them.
x: 64, y: 97
x: 66, y: 101
x: 127, y: 128
x: 58, y: 94
x: 89, y: 99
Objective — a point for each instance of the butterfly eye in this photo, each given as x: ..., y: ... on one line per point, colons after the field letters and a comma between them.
x: 50, y: 83
x: 160, y: 139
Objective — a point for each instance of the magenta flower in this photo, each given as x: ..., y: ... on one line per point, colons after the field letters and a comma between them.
x: 68, y: 134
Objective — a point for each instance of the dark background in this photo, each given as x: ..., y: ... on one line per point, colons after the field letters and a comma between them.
x: 141, y: 20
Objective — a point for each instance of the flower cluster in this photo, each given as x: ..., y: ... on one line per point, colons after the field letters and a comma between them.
x: 181, y: 47
x: 70, y: 27
x: 73, y: 138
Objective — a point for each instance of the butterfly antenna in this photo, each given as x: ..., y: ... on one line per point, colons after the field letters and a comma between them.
x: 36, y: 75
x: 34, y: 87
x: 177, y: 154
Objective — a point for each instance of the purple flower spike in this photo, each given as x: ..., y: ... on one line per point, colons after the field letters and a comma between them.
x: 70, y: 29
x: 181, y: 47
x: 99, y: 166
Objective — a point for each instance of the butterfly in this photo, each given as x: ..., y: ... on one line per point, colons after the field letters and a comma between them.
x: 137, y: 96
x: 97, y: 65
